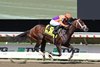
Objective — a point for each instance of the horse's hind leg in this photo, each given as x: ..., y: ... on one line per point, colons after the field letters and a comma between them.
x: 59, y: 49
x: 36, y: 47
x: 43, y: 45
x: 30, y: 40
x: 39, y: 41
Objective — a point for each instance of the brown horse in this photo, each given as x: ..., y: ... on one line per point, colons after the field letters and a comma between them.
x: 63, y: 39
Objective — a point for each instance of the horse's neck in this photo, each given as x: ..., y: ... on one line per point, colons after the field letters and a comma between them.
x: 69, y: 34
x: 71, y: 30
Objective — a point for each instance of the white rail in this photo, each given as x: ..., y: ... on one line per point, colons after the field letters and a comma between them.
x: 76, y: 34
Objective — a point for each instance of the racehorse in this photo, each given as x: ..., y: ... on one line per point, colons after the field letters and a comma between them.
x: 63, y: 39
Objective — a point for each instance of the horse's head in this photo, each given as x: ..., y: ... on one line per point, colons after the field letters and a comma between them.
x: 79, y: 24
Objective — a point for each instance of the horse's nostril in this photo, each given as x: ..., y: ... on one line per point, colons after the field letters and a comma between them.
x: 86, y: 29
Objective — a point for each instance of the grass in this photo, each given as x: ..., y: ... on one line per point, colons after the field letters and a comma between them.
x: 36, y: 9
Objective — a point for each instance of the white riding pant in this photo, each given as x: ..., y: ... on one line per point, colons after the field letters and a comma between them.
x: 54, y: 23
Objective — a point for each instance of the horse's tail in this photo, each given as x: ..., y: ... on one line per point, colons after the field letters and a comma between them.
x: 21, y: 37
x: 24, y: 34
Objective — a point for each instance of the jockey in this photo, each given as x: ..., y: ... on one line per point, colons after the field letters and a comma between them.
x: 57, y: 21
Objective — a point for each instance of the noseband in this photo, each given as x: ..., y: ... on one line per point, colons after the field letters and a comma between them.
x: 78, y: 22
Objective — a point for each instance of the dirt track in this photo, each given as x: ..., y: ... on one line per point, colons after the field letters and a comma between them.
x: 9, y: 64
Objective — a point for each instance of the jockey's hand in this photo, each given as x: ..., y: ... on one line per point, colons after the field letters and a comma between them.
x: 66, y: 26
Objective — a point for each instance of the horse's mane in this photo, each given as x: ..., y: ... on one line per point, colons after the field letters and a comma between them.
x: 73, y: 19
x: 42, y: 25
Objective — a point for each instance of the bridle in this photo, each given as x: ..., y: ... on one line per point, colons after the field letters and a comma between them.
x: 82, y: 26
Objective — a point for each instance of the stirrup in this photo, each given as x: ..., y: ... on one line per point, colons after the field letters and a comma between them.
x: 55, y: 33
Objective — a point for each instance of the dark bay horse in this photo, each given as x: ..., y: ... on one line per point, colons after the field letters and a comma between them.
x: 37, y: 34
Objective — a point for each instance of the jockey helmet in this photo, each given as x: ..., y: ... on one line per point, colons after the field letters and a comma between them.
x: 68, y: 15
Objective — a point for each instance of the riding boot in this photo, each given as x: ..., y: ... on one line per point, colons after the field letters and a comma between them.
x: 48, y: 28
x: 56, y: 28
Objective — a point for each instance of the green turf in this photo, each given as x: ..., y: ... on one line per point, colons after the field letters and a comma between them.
x: 40, y: 9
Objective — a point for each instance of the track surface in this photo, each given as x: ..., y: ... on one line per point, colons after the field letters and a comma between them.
x: 9, y: 64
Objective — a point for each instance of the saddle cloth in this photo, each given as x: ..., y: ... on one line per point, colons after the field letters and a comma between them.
x: 62, y: 33
x: 49, y: 30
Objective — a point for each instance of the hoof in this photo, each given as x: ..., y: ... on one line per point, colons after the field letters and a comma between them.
x: 36, y: 50
x: 50, y: 56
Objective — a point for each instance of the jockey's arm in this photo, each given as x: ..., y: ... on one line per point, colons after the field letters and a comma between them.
x: 60, y: 21
x: 62, y: 24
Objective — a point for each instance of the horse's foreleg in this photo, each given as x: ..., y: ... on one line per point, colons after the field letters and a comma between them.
x: 59, y: 49
x: 72, y: 48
